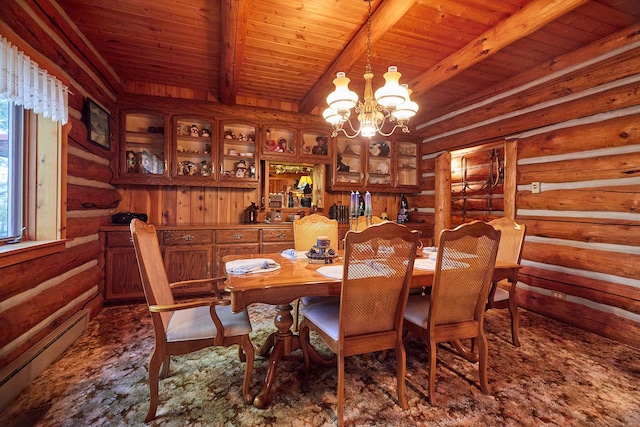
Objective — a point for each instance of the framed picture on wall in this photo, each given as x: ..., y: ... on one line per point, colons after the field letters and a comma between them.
x: 97, y: 121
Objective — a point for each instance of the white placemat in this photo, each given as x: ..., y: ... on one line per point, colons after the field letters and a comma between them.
x: 252, y: 265
x: 429, y: 264
x: 369, y: 268
x: 331, y: 271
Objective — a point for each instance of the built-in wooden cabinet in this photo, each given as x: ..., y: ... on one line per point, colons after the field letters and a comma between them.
x: 193, y: 151
x: 121, y: 267
x: 383, y: 164
x: 236, y: 241
x: 145, y: 146
x: 238, y: 154
x: 278, y: 143
x: 165, y: 148
x: 315, y: 146
x: 277, y: 239
x: 189, y: 253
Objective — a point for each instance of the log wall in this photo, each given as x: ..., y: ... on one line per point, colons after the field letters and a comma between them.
x: 573, y: 126
x: 38, y: 295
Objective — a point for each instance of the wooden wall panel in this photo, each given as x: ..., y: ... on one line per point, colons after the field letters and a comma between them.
x: 579, y: 137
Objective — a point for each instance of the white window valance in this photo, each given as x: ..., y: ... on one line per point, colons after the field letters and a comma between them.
x: 23, y: 82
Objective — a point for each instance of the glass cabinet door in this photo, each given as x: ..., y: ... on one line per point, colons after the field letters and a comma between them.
x: 379, y: 167
x: 238, y: 155
x: 349, y: 163
x: 278, y: 143
x: 407, y: 164
x: 193, y: 149
x: 315, y: 147
x: 144, y: 145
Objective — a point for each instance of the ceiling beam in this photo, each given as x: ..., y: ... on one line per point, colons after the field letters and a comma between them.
x: 382, y: 19
x: 232, y: 40
x: 527, y: 20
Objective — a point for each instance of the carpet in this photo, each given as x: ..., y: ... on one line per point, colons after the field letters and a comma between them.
x: 559, y: 376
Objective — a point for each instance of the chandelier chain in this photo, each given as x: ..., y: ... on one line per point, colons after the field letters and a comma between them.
x: 369, y: 37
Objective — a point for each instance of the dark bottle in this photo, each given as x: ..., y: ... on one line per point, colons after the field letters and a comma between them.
x: 403, y: 212
x: 290, y: 204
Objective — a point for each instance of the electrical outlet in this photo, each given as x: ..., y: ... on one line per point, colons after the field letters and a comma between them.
x: 557, y: 294
x: 535, y: 187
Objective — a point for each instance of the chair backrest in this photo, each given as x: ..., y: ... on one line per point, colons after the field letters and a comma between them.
x: 377, y: 273
x: 307, y: 229
x: 151, y: 265
x: 511, y: 240
x: 464, y: 269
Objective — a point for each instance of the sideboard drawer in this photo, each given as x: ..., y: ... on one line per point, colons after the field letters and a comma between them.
x: 119, y: 239
x: 279, y: 235
x: 188, y: 237
x: 237, y: 236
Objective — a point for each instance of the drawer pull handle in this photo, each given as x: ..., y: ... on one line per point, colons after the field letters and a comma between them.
x: 282, y: 236
x: 237, y: 236
x: 188, y: 237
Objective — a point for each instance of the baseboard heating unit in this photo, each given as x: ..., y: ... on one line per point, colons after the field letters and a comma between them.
x: 19, y: 373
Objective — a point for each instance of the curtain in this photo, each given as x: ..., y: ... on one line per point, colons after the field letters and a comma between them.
x: 23, y: 82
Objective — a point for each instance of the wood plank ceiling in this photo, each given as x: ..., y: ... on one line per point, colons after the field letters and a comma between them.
x: 289, y: 51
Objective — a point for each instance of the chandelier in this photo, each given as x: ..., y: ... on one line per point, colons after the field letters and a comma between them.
x: 390, y: 104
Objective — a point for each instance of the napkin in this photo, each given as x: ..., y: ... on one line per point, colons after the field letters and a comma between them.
x: 253, y: 265
x: 293, y: 254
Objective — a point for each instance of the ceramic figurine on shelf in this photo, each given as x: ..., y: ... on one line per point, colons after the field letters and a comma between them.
x: 241, y: 169
x: 145, y: 162
x: 252, y: 171
x: 131, y: 161
x: 194, y: 131
x: 205, y: 170
x: 205, y: 133
x: 322, y: 145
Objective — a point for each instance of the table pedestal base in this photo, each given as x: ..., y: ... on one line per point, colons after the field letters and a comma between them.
x: 280, y: 343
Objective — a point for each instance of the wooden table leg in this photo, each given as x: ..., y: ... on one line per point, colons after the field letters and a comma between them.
x: 281, y: 343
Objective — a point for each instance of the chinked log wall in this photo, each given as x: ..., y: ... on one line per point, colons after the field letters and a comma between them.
x: 39, y: 295
x: 573, y: 126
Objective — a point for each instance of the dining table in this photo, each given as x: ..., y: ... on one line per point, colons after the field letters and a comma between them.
x: 297, y: 277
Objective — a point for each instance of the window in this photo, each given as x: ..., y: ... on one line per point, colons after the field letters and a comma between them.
x: 30, y: 175
x: 11, y: 170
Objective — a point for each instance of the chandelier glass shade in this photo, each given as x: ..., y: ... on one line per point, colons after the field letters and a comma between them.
x: 391, y: 103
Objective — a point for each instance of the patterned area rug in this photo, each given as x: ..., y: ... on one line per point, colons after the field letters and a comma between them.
x: 560, y: 376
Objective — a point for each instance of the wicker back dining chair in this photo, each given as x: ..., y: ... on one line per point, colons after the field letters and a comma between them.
x: 509, y: 251
x: 185, y: 327
x: 454, y: 310
x: 377, y: 272
x: 305, y: 234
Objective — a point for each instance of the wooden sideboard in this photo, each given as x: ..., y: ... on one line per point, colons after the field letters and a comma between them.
x: 196, y: 252
x: 190, y: 252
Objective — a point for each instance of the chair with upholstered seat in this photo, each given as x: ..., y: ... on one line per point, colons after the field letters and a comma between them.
x: 455, y: 308
x: 185, y: 327
x: 305, y: 234
x: 378, y: 266
x: 509, y: 251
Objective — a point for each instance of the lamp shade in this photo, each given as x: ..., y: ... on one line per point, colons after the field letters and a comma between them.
x: 342, y: 98
x: 391, y: 94
x: 333, y: 117
x: 305, y: 180
x: 406, y: 110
